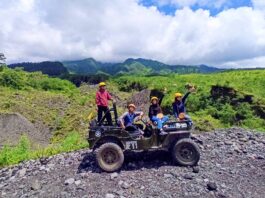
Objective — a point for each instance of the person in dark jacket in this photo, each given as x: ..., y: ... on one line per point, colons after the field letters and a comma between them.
x: 156, y: 115
x: 179, y: 105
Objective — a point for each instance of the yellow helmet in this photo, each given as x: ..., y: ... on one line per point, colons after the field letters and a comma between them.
x: 178, y: 95
x: 102, y: 84
x: 154, y: 98
x: 131, y: 105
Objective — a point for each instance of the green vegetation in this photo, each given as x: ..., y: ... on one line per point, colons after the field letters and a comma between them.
x: 47, y: 102
x: 20, y: 80
x: 23, y: 151
x: 53, y: 102
x: 222, y: 99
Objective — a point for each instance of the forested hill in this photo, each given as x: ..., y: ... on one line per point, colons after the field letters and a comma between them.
x: 133, y: 66
x: 86, y: 68
x: 47, y: 67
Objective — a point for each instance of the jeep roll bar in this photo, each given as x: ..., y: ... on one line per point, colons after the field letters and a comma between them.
x: 113, y: 109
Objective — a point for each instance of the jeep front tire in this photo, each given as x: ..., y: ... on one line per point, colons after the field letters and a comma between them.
x: 185, y: 152
x: 109, y: 157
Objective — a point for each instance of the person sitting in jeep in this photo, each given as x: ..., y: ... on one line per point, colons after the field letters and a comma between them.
x: 102, y: 98
x: 178, y: 105
x: 156, y: 115
x: 127, y: 119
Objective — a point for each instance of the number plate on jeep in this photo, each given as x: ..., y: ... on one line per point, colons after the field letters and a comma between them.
x: 131, y: 145
x: 178, y: 125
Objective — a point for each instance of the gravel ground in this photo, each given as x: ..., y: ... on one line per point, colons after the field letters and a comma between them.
x: 232, y: 165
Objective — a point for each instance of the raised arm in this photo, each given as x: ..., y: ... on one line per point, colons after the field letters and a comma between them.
x: 175, y: 111
x: 161, y: 99
x: 185, y: 96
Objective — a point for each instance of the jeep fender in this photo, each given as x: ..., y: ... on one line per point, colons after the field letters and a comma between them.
x: 105, y: 139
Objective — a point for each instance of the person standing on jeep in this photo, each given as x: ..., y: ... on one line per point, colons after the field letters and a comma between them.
x: 102, y: 98
x: 156, y: 115
x: 179, y: 104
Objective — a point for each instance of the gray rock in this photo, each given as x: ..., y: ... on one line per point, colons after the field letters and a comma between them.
x: 222, y: 195
x: 212, y: 186
x: 195, y: 169
x: 120, y: 183
x: 260, y: 157
x: 22, y: 172
x: 69, y: 181
x: 109, y: 195
x: 78, y: 182
x: 119, y: 192
x: 237, y: 149
x: 227, y: 142
x: 125, y: 185
x: 187, y: 176
x: 35, y: 185
x: 114, y: 175
x: 83, y: 175
x: 243, y: 139
x: 168, y: 175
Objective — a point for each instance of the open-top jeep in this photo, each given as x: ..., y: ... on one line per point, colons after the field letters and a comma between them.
x: 109, y: 142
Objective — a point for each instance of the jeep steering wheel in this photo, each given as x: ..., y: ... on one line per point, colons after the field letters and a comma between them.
x: 140, y: 121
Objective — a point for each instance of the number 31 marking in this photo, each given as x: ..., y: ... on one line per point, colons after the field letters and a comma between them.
x: 131, y: 145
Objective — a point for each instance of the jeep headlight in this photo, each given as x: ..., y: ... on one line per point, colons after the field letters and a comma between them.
x: 98, y: 133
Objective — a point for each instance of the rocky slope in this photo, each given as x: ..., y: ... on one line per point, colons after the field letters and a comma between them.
x: 232, y: 165
x: 13, y: 125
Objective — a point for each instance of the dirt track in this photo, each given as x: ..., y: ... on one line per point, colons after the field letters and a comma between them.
x: 232, y: 165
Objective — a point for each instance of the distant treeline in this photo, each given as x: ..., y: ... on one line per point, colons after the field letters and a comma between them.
x: 46, y: 67
x: 78, y: 79
x: 57, y: 69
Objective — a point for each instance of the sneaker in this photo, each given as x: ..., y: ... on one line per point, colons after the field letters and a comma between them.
x: 162, y: 132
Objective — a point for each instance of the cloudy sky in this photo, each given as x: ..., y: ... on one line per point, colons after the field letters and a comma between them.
x: 224, y: 33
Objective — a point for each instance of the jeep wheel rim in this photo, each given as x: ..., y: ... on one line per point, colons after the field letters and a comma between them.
x: 186, y: 153
x: 110, y: 156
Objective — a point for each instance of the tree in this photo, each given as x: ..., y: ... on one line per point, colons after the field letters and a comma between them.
x: 2, y: 59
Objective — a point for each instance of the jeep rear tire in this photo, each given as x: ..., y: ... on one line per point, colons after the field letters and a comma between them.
x: 109, y: 157
x: 185, y: 152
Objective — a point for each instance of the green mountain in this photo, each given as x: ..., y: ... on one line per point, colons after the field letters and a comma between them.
x: 133, y: 66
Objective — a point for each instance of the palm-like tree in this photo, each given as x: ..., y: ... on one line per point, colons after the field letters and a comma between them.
x: 2, y: 58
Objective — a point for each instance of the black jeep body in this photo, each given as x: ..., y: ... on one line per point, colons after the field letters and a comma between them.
x: 109, y: 142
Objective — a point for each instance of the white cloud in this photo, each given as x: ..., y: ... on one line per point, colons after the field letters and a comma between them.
x: 259, y: 4
x: 114, y: 30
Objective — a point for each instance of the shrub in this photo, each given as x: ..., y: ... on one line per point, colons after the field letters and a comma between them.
x: 19, y: 79
x: 23, y: 150
x: 12, y: 155
x: 12, y: 78
x: 227, y: 115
